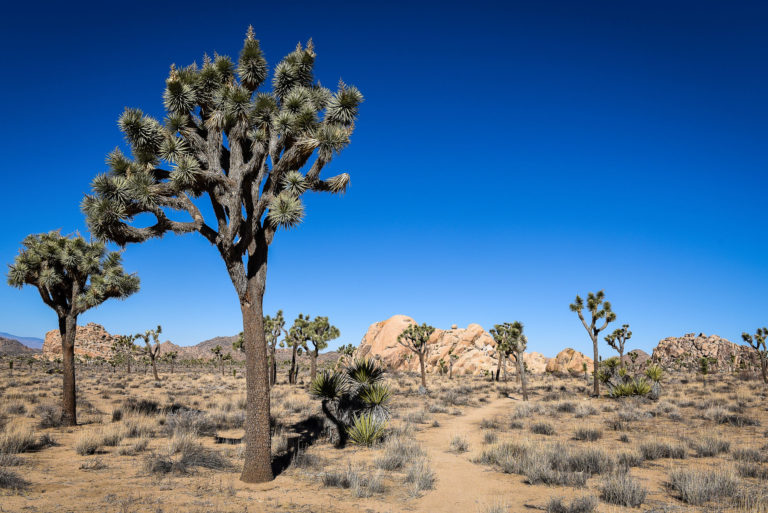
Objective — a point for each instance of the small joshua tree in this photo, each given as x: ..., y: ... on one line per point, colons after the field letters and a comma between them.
x: 251, y: 153
x: 171, y: 357
x: 618, y: 339
x: 218, y: 353
x: 151, y: 349
x: 123, y: 351
x: 599, y: 309
x: 273, y: 328
x: 502, y: 349
x: 510, y: 337
x: 296, y: 339
x: 757, y: 342
x: 320, y: 333
x: 346, y: 349
x: 415, y: 338
x: 72, y: 276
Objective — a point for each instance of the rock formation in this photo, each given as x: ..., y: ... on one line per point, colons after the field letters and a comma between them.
x: 686, y: 352
x: 569, y: 360
x: 91, y: 340
x: 473, y: 347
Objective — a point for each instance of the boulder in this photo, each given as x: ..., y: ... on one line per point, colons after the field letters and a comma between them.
x: 687, y: 351
x: 569, y: 360
x: 473, y: 348
x: 91, y: 340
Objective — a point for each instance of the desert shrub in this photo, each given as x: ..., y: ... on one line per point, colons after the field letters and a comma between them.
x: 589, y: 461
x: 538, y: 463
x: 490, y: 437
x: 366, y: 429
x: 587, y: 434
x: 189, y: 421
x: 565, y: 407
x: 752, y: 469
x: 305, y: 460
x: 16, y: 408
x: 398, y: 452
x: 10, y: 480
x: 138, y: 446
x: 420, y: 477
x: 629, y: 459
x: 654, y: 450
x: 139, y: 426
x: 543, y: 428
x: 586, y: 504
x: 709, y: 446
x: 437, y: 408
x: 624, y: 438
x: 459, y: 444
x: 497, y: 507
x: 49, y: 416
x: 623, y: 490
x: 87, y: 443
x: 750, y: 456
x: 584, y: 410
x: 117, y: 414
x: 111, y: 437
x: 490, y: 423
x: 142, y: 406
x: 723, y: 416
x: 183, y: 455
x: 526, y: 410
x: 697, y: 487
x: 16, y: 439
x: 93, y: 464
x: 366, y: 485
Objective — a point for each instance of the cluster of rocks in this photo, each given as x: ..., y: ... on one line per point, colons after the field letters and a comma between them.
x: 686, y: 352
x: 91, y: 340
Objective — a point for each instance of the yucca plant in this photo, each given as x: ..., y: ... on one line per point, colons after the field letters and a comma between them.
x: 366, y: 429
x: 353, y: 393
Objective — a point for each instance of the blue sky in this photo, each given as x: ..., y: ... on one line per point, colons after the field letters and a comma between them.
x: 506, y: 159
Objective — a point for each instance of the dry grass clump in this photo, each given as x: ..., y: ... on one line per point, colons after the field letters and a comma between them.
x: 587, y: 434
x: 655, y: 449
x: 623, y: 490
x: 709, y: 446
x: 189, y: 421
x: 10, y: 480
x: 183, y: 455
x: 88, y: 443
x: 17, y: 438
x: 398, y: 452
x: 586, y: 504
x: 698, y: 487
x: 49, y: 416
x: 363, y: 484
x: 93, y: 464
x: 459, y: 444
x: 420, y: 477
x: 543, y: 428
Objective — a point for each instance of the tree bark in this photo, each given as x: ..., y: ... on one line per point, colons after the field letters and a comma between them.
x: 272, y: 365
x: 423, y: 370
x: 257, y: 467
x: 154, y: 370
x: 341, y: 429
x: 498, y: 366
x: 521, y: 373
x: 764, y: 368
x: 313, y: 363
x: 595, y: 363
x: 292, y: 370
x: 68, y: 330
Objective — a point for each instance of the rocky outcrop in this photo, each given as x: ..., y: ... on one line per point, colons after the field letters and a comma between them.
x: 569, y: 360
x: 91, y: 340
x: 9, y: 347
x: 641, y: 358
x: 473, y: 348
x: 687, y: 351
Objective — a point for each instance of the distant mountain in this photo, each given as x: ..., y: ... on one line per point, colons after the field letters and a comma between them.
x: 33, y: 342
x: 13, y: 347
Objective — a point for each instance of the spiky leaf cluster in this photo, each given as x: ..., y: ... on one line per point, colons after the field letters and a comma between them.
x: 321, y: 332
x: 415, y: 337
x: 509, y: 338
x: 598, y: 307
x: 757, y: 342
x: 71, y: 274
x: 619, y: 337
x: 253, y: 152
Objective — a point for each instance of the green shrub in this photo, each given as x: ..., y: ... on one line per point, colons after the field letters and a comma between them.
x: 366, y: 429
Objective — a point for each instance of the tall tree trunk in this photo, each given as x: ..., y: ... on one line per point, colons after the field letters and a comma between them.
x: 341, y: 429
x: 504, y: 366
x: 154, y: 370
x: 257, y: 467
x: 273, y: 365
x: 292, y: 370
x: 423, y: 370
x: 596, y: 390
x: 498, y: 366
x: 313, y: 363
x: 68, y: 331
x: 764, y: 367
x: 521, y: 373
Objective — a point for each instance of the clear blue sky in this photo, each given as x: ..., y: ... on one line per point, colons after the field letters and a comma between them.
x: 506, y: 158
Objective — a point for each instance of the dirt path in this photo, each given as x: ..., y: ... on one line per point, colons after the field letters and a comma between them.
x: 463, y: 486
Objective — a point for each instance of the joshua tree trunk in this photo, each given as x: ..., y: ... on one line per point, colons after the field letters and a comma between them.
x: 258, y: 442
x: 272, y: 364
x: 423, y: 370
x: 595, y: 363
x: 154, y: 367
x: 498, y: 366
x: 341, y: 429
x: 68, y: 330
x: 292, y: 370
x: 450, y: 369
x: 313, y: 363
x: 521, y: 374
x: 764, y: 368
x: 504, y: 367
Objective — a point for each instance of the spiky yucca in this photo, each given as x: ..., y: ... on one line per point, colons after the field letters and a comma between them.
x: 353, y: 395
x: 598, y: 308
x: 254, y: 153
x: 72, y: 276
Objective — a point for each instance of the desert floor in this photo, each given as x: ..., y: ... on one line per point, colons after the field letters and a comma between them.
x: 469, y: 445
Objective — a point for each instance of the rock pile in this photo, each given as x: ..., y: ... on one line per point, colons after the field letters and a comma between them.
x: 687, y: 351
x: 91, y: 340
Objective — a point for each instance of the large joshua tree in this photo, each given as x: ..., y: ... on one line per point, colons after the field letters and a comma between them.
x: 618, y: 340
x: 510, y: 340
x: 320, y: 333
x: 415, y: 338
x: 757, y: 342
x: 72, y: 276
x: 598, y: 308
x: 253, y: 155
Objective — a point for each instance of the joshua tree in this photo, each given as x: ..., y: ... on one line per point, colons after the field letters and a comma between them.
x: 151, y: 349
x: 415, y: 338
x: 599, y: 309
x: 618, y: 338
x: 346, y: 349
x: 320, y: 333
x: 451, y: 358
x: 757, y: 342
x: 273, y: 328
x: 217, y: 352
x: 171, y: 357
x: 502, y: 348
x: 245, y: 151
x: 509, y: 337
x: 123, y: 350
x: 297, y: 338
x: 72, y: 276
